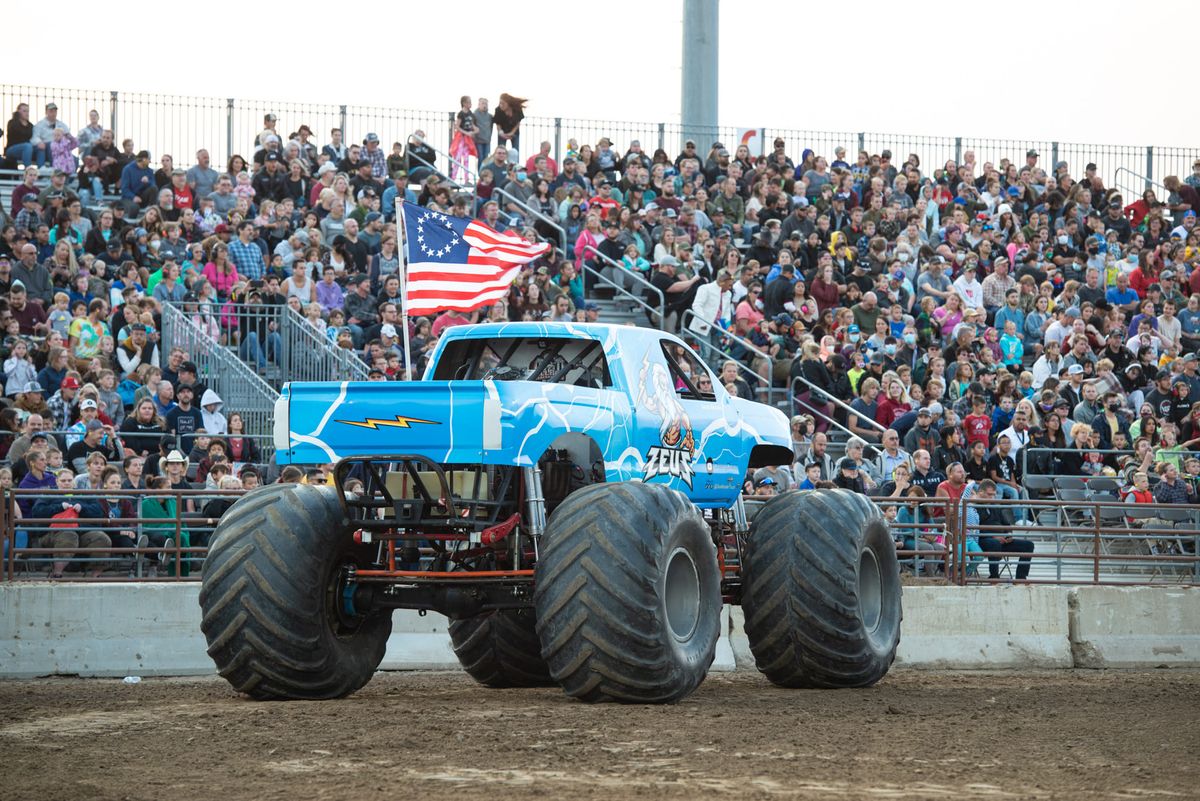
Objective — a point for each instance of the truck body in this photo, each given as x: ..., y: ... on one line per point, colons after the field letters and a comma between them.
x: 628, y: 404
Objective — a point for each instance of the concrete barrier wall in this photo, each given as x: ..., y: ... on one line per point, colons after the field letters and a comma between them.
x: 153, y: 629
x: 1135, y: 627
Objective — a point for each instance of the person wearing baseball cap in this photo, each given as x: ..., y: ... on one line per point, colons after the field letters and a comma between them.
x: 185, y: 419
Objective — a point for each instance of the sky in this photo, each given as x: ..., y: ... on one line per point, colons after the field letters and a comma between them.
x: 1048, y: 70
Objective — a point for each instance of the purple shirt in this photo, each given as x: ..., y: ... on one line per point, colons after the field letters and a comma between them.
x: 48, y: 481
x: 330, y: 296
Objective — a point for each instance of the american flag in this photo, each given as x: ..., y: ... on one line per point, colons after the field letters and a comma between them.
x: 459, y: 263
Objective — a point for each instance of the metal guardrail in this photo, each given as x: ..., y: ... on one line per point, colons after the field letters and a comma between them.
x: 308, y: 355
x: 181, y: 125
x: 239, y: 386
x: 830, y: 399
x: 1130, y: 192
x: 27, y: 559
x: 562, y: 247
x: 750, y: 347
x: 450, y: 160
x: 650, y: 309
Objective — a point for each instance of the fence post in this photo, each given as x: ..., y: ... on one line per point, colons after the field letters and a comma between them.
x: 228, y: 127
x: 112, y: 113
x: 958, y: 150
x: 342, y: 121
x: 1053, y: 158
x: 558, y: 140
x: 1149, y: 166
x: 862, y: 141
x: 662, y: 136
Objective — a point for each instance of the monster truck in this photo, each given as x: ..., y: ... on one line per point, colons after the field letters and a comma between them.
x: 571, y: 499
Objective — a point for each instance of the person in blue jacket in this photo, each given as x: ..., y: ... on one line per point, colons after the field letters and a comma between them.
x: 136, y: 178
x: 65, y: 534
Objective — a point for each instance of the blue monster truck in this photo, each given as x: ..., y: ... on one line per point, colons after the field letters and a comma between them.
x: 570, y: 496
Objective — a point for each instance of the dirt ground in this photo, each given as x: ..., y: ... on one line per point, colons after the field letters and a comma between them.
x: 1086, y: 735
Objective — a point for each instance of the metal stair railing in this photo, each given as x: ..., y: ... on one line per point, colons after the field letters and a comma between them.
x: 768, y: 383
x: 308, y: 355
x: 562, y: 232
x: 240, y: 388
x: 651, y: 310
x: 1130, y: 192
x: 832, y: 400
x: 450, y: 160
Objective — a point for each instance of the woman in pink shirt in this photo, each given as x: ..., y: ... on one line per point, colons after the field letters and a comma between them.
x: 588, y: 237
x: 221, y: 272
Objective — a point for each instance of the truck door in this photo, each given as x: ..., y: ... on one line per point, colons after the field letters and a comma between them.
x: 690, y: 450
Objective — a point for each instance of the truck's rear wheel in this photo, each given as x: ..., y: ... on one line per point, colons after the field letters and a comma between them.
x: 501, y: 649
x: 821, y: 590
x: 273, y: 614
x: 628, y: 594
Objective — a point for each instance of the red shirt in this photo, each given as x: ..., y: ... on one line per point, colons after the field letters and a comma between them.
x: 978, y: 427
x: 184, y: 199
x: 445, y: 321
x: 606, y: 206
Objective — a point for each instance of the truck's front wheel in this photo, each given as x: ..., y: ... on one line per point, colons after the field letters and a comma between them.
x: 821, y: 590
x: 277, y: 624
x: 628, y: 594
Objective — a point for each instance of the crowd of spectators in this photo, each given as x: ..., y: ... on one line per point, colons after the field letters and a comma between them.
x: 948, y: 315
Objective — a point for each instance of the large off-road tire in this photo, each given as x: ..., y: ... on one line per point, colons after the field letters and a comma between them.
x: 628, y: 594
x: 821, y: 590
x: 272, y: 613
x: 501, y: 649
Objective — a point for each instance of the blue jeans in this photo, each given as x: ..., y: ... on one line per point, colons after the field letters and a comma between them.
x: 1009, y: 493
x: 41, y: 154
x: 483, y: 149
x: 93, y: 191
x: 251, y: 349
x: 22, y: 153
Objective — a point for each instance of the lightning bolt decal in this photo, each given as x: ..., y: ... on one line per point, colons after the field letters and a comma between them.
x: 375, y: 423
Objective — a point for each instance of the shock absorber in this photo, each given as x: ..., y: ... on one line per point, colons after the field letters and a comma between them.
x: 535, y: 515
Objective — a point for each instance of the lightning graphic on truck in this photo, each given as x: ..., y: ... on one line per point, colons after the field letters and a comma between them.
x: 400, y: 421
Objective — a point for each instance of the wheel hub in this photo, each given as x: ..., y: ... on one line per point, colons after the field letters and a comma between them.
x: 682, y: 595
x: 870, y: 589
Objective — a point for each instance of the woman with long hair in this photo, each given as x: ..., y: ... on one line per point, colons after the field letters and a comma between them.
x: 220, y: 271
x: 507, y: 119
x: 241, y: 447
x: 813, y: 396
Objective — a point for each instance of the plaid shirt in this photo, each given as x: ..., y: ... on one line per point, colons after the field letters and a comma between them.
x: 378, y: 161
x: 60, y: 409
x: 248, y: 259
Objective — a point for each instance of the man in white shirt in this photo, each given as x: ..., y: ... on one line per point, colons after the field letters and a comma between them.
x: 712, y: 306
x: 970, y: 290
x: 1017, y: 433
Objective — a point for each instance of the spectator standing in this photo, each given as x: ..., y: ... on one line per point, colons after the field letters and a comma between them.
x: 507, y: 119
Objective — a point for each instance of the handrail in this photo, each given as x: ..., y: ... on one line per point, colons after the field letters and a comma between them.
x: 241, y: 389
x: 840, y: 404
x: 539, y: 215
x: 470, y: 173
x: 661, y: 311
x: 749, y: 346
x: 303, y: 340
x: 1149, y: 182
x: 725, y: 357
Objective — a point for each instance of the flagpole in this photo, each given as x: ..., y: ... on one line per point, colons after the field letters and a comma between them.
x: 402, y: 232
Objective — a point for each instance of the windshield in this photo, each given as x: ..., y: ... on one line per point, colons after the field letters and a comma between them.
x: 554, y: 360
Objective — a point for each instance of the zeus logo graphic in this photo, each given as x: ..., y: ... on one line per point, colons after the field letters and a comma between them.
x: 399, y: 421
x: 674, y: 456
x: 675, y: 462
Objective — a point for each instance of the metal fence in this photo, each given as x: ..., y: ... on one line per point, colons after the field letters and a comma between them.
x: 242, y: 389
x: 309, y: 355
x: 180, y: 125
